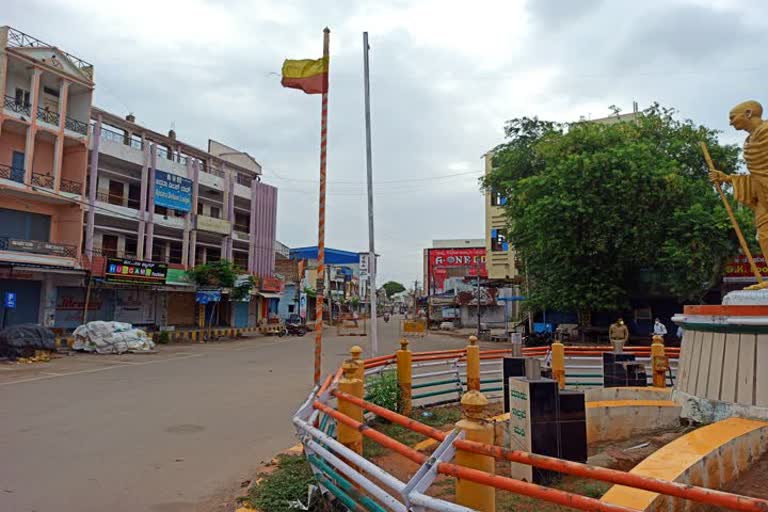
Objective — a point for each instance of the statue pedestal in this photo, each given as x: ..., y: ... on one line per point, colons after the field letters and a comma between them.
x: 723, y: 367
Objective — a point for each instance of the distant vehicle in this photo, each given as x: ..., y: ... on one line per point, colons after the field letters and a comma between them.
x: 295, y: 326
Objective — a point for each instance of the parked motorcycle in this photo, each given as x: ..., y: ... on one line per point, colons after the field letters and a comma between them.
x: 295, y: 326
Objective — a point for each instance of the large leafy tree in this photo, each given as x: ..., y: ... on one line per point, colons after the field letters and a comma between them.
x: 392, y: 287
x: 601, y: 212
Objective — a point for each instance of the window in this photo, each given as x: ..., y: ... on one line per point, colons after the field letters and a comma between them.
x: 498, y: 241
x: 22, y: 97
x: 215, y: 212
x: 158, y: 251
x: 51, y: 91
x: 161, y: 210
x: 497, y: 199
x: 242, y: 222
x: 176, y: 250
x: 212, y: 254
x: 134, y: 195
x: 109, y: 245
x: 24, y: 225
x: 131, y: 247
x: 116, y: 189
x: 200, y: 209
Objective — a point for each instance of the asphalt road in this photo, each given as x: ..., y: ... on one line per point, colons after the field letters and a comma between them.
x: 167, y: 432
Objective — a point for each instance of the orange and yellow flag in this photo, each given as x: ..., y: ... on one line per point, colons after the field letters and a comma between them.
x: 311, y: 76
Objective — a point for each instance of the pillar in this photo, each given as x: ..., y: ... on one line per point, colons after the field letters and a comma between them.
x: 29, y: 150
x: 659, y: 362
x: 355, y: 353
x: 93, y: 184
x: 478, y: 428
x: 558, y: 363
x: 150, y: 235
x: 350, y: 437
x: 193, y: 214
x: 473, y: 364
x: 252, y: 230
x: 143, y: 200
x: 58, y: 155
x: 48, y: 311
x: 404, y: 378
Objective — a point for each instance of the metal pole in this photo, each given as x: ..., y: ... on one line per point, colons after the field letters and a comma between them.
x: 321, y: 216
x: 478, y: 301
x: 369, y: 168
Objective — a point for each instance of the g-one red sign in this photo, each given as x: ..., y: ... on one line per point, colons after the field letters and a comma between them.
x: 470, y: 260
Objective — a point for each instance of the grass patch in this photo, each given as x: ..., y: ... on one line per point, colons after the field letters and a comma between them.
x: 437, y: 416
x: 508, y: 502
x: 289, y: 482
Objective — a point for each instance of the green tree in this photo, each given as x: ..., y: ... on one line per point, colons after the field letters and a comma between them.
x: 600, y: 212
x: 392, y: 287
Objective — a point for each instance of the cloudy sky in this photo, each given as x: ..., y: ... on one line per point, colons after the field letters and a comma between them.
x: 445, y: 75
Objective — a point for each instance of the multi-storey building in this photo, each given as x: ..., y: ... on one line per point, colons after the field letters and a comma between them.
x: 43, y: 159
x: 100, y: 216
x: 153, y: 198
x: 500, y: 255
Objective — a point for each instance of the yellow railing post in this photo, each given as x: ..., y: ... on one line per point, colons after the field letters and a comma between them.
x: 404, y: 379
x: 355, y: 352
x: 477, y: 428
x: 659, y: 362
x: 473, y: 365
x: 558, y: 363
x: 350, y: 384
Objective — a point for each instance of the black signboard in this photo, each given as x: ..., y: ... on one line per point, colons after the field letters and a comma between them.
x: 121, y: 270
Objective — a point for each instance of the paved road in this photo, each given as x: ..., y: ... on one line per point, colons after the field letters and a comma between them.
x: 168, y: 432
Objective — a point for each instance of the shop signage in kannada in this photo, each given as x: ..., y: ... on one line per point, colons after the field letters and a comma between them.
x: 121, y: 270
x: 172, y: 191
x: 213, y: 225
x: 38, y: 247
x: 271, y: 284
x: 207, y: 296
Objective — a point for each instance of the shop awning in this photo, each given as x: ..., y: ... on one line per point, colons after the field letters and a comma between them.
x: 268, y: 295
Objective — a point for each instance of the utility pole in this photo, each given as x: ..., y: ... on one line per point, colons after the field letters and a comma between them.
x: 369, y: 168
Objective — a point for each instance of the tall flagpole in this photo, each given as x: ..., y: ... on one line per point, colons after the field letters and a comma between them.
x: 369, y: 165
x: 321, y: 217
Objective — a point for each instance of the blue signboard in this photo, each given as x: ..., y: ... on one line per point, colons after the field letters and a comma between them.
x: 10, y: 300
x: 206, y: 296
x: 174, y: 192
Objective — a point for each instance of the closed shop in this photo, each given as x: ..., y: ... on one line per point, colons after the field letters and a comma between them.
x: 137, y: 306
x: 27, y: 308
x: 241, y: 313
x: 181, y: 309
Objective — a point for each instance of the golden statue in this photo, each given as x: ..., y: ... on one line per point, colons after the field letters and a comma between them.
x: 751, y: 189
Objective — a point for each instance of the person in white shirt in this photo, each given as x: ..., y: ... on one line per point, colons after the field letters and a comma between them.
x: 659, y: 329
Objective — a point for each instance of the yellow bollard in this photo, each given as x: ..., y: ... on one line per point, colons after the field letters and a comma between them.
x: 473, y: 365
x: 355, y: 353
x: 404, y: 379
x: 478, y: 428
x: 558, y: 363
x: 660, y: 362
x: 348, y: 436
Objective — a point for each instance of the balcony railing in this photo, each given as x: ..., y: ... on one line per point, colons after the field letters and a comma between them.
x: 71, y: 186
x: 42, y: 180
x: 18, y: 39
x: 118, y: 200
x: 12, y: 173
x: 243, y: 228
x: 43, y: 114
x: 76, y: 126
x: 37, y: 247
x: 10, y: 102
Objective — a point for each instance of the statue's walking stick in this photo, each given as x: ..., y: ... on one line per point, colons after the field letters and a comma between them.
x: 742, y: 241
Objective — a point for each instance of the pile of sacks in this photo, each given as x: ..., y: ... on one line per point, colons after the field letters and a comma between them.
x: 111, y: 338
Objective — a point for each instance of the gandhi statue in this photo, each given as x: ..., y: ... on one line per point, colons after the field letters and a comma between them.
x: 751, y: 189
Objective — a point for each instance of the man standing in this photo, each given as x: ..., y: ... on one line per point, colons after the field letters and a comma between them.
x: 659, y: 329
x: 751, y: 189
x: 618, y: 334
